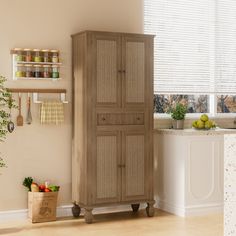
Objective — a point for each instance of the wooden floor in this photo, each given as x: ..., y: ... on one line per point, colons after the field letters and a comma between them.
x: 122, y: 224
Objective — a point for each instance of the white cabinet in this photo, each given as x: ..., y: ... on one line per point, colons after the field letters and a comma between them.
x: 230, y: 185
x: 189, y: 172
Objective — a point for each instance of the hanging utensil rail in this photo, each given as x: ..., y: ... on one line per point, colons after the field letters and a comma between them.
x: 36, y: 91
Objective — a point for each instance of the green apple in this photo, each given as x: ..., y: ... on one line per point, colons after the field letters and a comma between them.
x: 208, y: 124
x: 204, y: 117
x: 194, y: 124
x: 200, y: 124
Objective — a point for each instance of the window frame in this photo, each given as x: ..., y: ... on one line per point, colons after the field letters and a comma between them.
x: 212, y: 62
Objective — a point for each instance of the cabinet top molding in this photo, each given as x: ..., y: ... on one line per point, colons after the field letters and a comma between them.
x: 115, y: 33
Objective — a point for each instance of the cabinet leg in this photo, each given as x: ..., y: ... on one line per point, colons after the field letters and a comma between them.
x: 88, y: 216
x: 76, y: 210
x: 135, y: 207
x: 150, y: 209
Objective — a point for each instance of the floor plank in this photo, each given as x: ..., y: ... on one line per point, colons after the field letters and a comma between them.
x: 122, y: 223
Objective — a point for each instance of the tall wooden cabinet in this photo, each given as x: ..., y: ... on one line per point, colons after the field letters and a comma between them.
x: 112, y: 120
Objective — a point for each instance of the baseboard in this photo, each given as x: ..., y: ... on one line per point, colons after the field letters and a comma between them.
x: 196, y: 210
x: 62, y: 211
x: 173, y: 209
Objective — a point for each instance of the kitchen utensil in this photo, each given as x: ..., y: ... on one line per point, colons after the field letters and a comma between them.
x: 29, y: 115
x: 10, y: 126
x: 19, y: 119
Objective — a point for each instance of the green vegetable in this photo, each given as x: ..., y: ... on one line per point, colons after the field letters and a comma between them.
x: 54, y: 188
x: 27, y: 182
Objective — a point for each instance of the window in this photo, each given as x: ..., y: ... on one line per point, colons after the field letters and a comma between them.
x: 195, y: 53
x: 194, y: 103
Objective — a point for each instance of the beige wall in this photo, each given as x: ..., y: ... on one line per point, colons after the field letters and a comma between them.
x: 44, y: 152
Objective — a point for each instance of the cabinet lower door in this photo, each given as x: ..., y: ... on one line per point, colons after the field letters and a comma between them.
x: 135, y: 172
x: 106, y: 176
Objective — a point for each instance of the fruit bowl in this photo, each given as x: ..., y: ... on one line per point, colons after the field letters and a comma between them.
x: 204, y: 123
x: 206, y: 129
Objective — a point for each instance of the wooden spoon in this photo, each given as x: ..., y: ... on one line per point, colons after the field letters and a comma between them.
x: 29, y: 115
x: 19, y: 119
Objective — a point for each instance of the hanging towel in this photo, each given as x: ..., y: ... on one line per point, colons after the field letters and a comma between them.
x: 52, y: 112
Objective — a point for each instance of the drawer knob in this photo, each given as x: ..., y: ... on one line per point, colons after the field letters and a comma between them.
x: 103, y: 118
x: 138, y: 118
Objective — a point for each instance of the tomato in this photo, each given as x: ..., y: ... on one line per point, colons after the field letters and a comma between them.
x: 42, y: 188
x: 47, y: 190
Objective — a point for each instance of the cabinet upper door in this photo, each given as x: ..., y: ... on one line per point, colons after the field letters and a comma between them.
x: 106, y: 61
x: 137, y: 67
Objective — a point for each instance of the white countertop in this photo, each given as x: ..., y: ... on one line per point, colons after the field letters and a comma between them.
x: 192, y: 131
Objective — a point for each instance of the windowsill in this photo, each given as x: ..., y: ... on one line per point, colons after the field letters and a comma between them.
x: 197, y: 115
x: 165, y: 121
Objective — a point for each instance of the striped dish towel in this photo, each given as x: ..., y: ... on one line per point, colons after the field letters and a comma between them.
x: 52, y: 112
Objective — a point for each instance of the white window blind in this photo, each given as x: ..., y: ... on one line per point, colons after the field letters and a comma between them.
x: 184, y: 45
x: 226, y: 46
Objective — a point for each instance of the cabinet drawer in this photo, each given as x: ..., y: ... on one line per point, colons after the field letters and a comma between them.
x: 120, y: 119
x: 109, y: 119
x: 133, y: 119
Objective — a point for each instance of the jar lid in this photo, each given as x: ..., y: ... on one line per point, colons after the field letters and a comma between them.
x: 37, y: 66
x: 18, y: 49
x: 45, y: 50
x: 46, y: 66
x: 56, y: 66
x: 27, y: 49
x: 54, y: 51
x: 28, y: 65
x: 36, y: 50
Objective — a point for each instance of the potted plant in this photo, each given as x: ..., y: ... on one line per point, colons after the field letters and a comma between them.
x: 178, y: 113
x: 6, y: 104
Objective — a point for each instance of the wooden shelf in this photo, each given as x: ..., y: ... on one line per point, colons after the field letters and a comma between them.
x: 33, y: 78
x: 35, y: 90
x: 38, y: 63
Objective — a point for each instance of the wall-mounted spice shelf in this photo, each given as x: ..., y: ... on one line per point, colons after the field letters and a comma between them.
x: 35, y: 64
x: 33, y: 78
x: 39, y: 63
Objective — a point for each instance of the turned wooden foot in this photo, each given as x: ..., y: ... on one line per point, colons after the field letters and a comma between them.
x: 88, y: 216
x: 135, y: 207
x: 76, y: 210
x: 150, y: 209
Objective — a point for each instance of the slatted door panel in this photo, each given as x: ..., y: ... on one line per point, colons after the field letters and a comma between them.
x: 108, y: 179
x: 108, y: 63
x: 136, y: 160
x: 134, y: 63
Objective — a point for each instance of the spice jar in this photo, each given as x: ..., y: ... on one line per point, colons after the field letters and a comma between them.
x: 20, y: 71
x: 46, y: 71
x: 29, y: 71
x: 19, y: 54
x: 55, y: 72
x: 55, y: 56
x: 37, y: 71
x: 28, y: 55
x: 37, y: 55
x: 46, y: 55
